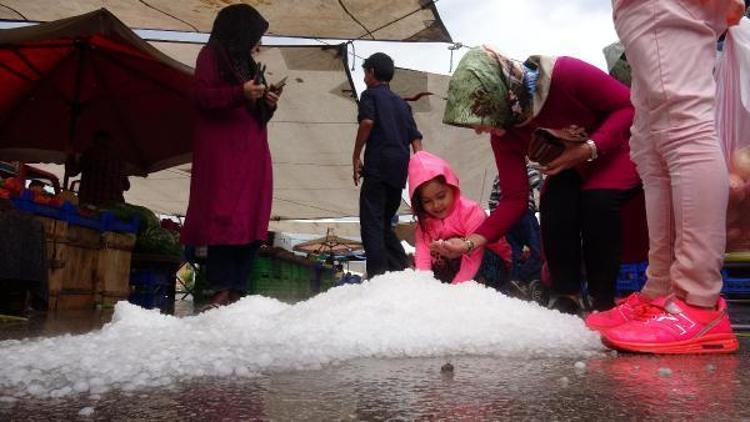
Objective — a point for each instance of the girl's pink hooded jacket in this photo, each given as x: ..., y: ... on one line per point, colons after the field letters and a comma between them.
x: 462, y: 221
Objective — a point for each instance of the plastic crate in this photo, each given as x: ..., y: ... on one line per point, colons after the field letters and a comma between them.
x: 151, y: 290
x: 110, y: 223
x: 79, y: 220
x: 631, y: 277
x: 736, y: 278
x: 742, y: 257
x: 104, y: 222
x: 148, y: 278
x: 25, y: 202
x: 151, y: 297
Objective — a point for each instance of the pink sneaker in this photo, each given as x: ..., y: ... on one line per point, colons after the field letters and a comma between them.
x: 618, y: 315
x: 671, y: 326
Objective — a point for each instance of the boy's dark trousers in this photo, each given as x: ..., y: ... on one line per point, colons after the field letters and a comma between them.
x: 378, y: 203
x: 526, y: 233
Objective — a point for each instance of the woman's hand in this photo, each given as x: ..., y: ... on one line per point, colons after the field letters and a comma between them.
x: 573, y: 155
x: 451, y: 248
x: 272, y: 99
x: 253, y: 91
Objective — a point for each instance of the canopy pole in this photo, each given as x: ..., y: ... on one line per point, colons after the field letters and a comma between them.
x: 75, y: 106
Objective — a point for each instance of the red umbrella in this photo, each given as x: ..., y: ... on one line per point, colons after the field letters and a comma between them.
x: 64, y: 80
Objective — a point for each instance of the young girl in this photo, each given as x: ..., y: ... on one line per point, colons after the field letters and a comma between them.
x: 442, y: 213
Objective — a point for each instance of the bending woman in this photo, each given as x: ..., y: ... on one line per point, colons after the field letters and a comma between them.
x: 587, y: 184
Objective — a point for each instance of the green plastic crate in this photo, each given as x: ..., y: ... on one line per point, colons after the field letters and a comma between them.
x: 737, y: 257
x: 273, y: 277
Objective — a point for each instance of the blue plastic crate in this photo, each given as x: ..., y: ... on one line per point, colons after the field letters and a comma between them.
x: 90, y: 223
x: 736, y: 278
x: 151, y: 289
x: 110, y: 223
x: 148, y: 278
x: 631, y: 277
x: 105, y: 222
x: 151, y: 297
x: 25, y: 202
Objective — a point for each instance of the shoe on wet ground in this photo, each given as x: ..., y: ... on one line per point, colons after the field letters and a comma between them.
x: 219, y: 299
x: 671, y: 326
x: 565, y: 305
x: 533, y: 291
x: 538, y: 292
x: 620, y: 314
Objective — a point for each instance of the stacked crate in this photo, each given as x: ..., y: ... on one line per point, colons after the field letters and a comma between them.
x: 736, y: 276
x: 86, y: 267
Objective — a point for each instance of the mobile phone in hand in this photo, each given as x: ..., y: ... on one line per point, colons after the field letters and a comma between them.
x: 278, y: 86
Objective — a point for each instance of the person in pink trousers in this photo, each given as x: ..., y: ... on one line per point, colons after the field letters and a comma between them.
x: 671, y: 47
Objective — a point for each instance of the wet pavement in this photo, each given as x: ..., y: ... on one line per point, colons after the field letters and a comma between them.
x: 612, y: 386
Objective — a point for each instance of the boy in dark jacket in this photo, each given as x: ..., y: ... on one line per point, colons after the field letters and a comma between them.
x: 387, y: 126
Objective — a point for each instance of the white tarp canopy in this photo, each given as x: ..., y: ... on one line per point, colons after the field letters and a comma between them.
x: 385, y: 20
x: 312, y: 136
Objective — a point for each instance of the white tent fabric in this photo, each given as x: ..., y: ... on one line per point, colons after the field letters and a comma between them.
x: 386, y: 20
x: 312, y: 136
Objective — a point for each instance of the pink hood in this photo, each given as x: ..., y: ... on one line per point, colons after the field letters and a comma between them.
x: 424, y: 166
x: 465, y: 217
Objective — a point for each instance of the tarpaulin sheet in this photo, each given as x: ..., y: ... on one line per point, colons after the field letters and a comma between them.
x: 62, y: 81
x: 312, y: 137
x: 384, y: 20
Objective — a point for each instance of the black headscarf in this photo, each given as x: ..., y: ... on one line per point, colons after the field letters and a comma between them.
x: 237, y: 30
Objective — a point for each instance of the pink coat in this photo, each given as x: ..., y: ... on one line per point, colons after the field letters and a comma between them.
x: 231, y: 182
x: 463, y: 220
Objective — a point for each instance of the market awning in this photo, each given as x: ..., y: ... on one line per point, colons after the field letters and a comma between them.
x: 384, y: 20
x: 62, y: 81
x: 312, y: 136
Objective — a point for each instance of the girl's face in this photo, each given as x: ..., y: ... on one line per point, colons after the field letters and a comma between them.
x: 437, y: 198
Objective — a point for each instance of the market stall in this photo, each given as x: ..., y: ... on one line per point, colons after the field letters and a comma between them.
x: 85, y: 76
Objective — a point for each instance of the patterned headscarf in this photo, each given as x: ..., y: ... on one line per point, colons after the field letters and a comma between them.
x: 487, y: 89
x: 617, y: 64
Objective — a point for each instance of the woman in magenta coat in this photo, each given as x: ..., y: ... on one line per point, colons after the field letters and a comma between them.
x: 231, y: 182
x: 586, y: 186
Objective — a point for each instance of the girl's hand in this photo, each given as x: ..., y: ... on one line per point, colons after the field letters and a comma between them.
x: 451, y: 248
x: 272, y: 99
x: 573, y: 155
x: 252, y: 90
